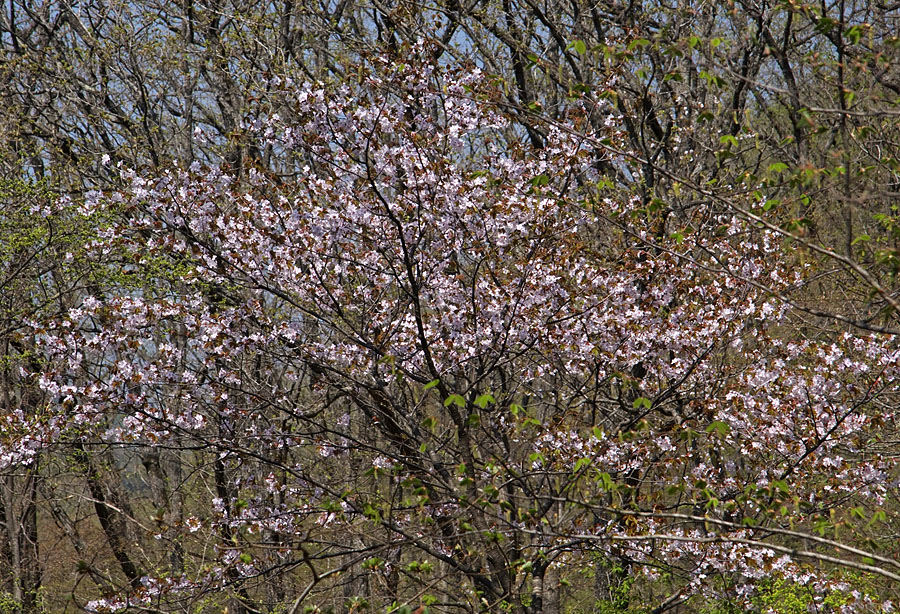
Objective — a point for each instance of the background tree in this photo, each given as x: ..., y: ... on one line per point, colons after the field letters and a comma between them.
x: 40, y: 275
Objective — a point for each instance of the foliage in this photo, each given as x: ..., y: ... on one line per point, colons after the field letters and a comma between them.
x: 8, y: 604
x: 783, y: 598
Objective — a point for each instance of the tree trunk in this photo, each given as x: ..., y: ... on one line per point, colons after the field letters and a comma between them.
x: 551, y: 599
x: 21, y: 545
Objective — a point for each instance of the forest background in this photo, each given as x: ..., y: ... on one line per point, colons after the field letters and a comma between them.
x: 536, y: 306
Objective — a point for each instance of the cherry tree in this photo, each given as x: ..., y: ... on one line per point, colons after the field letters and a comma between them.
x: 437, y: 365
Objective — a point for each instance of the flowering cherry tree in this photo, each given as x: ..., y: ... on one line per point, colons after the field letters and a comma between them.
x: 428, y: 364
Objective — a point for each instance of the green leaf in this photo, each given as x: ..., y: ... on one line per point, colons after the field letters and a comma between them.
x: 778, y: 167
x: 687, y: 434
x: 854, y: 33
x: 579, y: 47
x: 861, y: 239
x: 432, y: 384
x: 878, y: 516
x: 484, y: 400
x: 638, y: 42
x: 825, y: 25
x: 598, y: 432
x: 772, y: 202
x: 371, y: 513
x: 781, y: 486
x: 539, y: 180
x: 718, y: 427
x: 606, y: 481
x: 581, y: 462
x: 713, y: 80
x: 642, y: 402
x: 580, y: 88
x: 455, y: 399
x: 657, y: 204
x: 806, y: 119
x: 727, y: 139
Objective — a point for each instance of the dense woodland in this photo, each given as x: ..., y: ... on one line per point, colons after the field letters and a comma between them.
x: 453, y: 306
